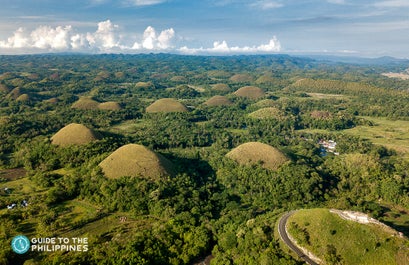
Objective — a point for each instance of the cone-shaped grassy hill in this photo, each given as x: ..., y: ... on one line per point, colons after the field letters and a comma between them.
x: 251, y: 92
x: 265, y: 79
x: 241, y: 78
x: 218, y: 101
x: 144, y: 84
x: 136, y: 161
x: 221, y: 87
x: 253, y: 153
x: 15, y: 93
x: 265, y: 103
x: 23, y: 98
x: 110, y: 105
x: 85, y: 103
x: 74, y: 134
x: 4, y: 88
x: 52, y: 100
x: 267, y: 113
x: 166, y: 105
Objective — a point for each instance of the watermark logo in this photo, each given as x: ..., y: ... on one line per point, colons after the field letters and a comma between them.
x: 20, y: 244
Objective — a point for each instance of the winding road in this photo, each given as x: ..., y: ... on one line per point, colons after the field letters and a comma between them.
x: 284, y: 236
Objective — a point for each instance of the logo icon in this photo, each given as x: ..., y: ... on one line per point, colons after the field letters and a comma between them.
x: 20, y: 244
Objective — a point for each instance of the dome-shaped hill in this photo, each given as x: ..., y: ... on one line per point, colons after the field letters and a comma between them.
x: 85, y: 103
x: 136, y: 160
x: 179, y: 79
x: 143, y: 84
x: 15, y: 93
x: 253, y: 153
x: 110, y: 105
x: 218, y: 101
x: 4, y: 88
x: 166, y: 105
x: 23, y: 98
x: 221, y: 87
x: 241, y: 78
x: 267, y: 113
x: 265, y: 103
x: 347, y: 237
x: 251, y: 92
x: 52, y: 100
x: 7, y: 75
x: 218, y: 74
x: 265, y: 79
x: 74, y: 134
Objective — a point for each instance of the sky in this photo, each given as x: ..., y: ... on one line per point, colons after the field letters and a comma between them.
x: 365, y: 28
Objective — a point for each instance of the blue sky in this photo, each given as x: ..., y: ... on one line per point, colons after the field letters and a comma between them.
x: 343, y: 27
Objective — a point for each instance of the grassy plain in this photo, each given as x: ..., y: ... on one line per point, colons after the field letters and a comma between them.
x: 327, y: 96
x: 351, y: 243
x: 393, y: 134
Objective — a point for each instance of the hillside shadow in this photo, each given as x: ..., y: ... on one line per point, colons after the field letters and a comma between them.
x: 198, y: 169
x: 398, y: 227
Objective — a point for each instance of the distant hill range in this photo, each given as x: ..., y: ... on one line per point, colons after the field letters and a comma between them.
x: 385, y: 60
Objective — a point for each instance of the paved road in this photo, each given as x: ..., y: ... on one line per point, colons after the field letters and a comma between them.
x: 287, y: 241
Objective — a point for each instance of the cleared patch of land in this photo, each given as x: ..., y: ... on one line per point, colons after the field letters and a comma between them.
x: 129, y: 126
x: 21, y: 186
x: 403, y: 76
x: 393, y: 134
x: 326, y: 96
x: 12, y: 174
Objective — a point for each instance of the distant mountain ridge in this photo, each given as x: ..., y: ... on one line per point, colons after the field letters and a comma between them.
x: 384, y: 60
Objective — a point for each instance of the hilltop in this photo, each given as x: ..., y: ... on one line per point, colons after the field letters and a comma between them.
x: 336, y: 240
x: 136, y: 161
x: 74, y: 134
x: 253, y: 153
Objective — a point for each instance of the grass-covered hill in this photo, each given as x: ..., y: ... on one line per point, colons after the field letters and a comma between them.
x: 75, y: 134
x: 85, y: 104
x: 254, y: 153
x: 136, y: 161
x: 338, y: 241
x: 251, y: 92
x: 218, y: 101
x: 166, y: 105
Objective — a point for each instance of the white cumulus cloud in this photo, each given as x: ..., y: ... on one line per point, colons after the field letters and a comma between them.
x: 108, y: 38
x: 105, y: 37
x: 18, y: 40
x: 222, y: 47
x: 45, y: 37
x: 152, y: 41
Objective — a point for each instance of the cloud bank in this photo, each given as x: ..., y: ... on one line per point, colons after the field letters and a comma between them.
x: 222, y: 47
x: 108, y: 38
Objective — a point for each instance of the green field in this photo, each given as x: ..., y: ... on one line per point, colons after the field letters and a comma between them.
x: 339, y: 241
x: 319, y: 96
x: 392, y: 134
